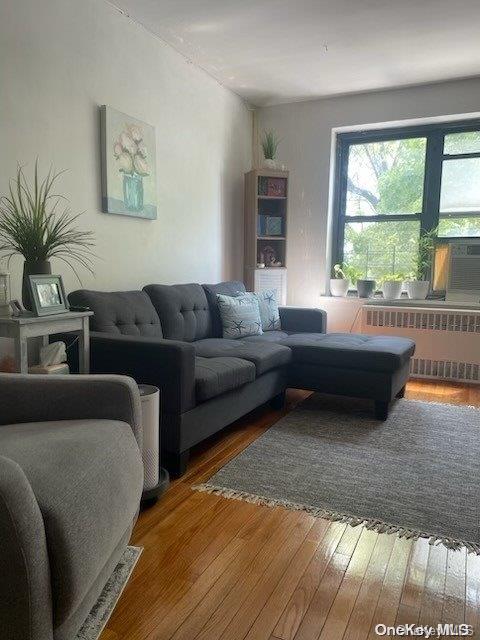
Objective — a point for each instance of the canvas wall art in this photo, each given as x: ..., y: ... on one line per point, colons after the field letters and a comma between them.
x: 128, y: 165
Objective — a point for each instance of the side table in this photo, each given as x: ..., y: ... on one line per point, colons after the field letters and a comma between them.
x: 24, y: 327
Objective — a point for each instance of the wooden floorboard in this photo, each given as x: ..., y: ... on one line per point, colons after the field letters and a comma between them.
x: 217, y: 569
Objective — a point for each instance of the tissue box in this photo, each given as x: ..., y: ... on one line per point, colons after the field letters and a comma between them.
x: 51, y: 369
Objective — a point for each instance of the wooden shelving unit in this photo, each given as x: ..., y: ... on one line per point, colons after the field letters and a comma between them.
x: 266, y: 228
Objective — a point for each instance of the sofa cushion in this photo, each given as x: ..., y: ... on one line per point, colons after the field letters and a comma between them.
x: 240, y: 316
x: 264, y: 355
x: 119, y: 312
x: 351, y: 351
x: 183, y: 310
x: 87, y: 478
x: 268, y: 336
x: 214, y: 376
x: 268, y: 306
x: 231, y: 288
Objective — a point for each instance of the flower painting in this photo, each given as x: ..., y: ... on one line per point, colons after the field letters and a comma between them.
x: 128, y: 165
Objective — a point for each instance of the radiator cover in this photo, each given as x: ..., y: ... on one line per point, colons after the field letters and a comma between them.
x: 448, y: 340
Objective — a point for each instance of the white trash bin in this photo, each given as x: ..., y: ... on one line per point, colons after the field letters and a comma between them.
x: 156, y: 478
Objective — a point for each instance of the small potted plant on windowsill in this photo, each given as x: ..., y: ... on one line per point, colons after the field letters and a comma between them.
x: 417, y: 286
x: 339, y: 284
x: 392, y: 284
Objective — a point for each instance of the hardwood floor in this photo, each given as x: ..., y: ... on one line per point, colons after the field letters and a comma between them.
x: 217, y: 569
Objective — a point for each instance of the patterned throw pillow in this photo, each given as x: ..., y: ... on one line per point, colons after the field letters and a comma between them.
x: 269, y: 314
x: 240, y: 316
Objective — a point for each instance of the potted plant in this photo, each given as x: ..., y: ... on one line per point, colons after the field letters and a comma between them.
x: 34, y: 224
x: 391, y: 285
x: 417, y: 286
x: 339, y: 283
x: 270, y: 144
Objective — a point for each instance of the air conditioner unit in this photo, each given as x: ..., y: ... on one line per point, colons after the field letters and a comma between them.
x: 463, y: 282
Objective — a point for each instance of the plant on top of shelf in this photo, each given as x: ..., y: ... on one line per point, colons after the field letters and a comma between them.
x: 270, y: 142
x: 416, y: 284
x: 31, y: 226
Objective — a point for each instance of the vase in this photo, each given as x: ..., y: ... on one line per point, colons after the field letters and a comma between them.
x: 339, y: 287
x: 133, y: 192
x: 32, y: 268
x: 417, y: 289
x: 269, y: 163
x: 366, y: 288
x: 392, y: 289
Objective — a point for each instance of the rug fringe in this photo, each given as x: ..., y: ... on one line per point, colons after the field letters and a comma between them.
x: 369, y: 523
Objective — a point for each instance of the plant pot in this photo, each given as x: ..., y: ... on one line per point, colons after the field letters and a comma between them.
x: 366, y: 288
x: 269, y: 163
x: 417, y: 289
x: 392, y: 289
x: 34, y: 268
x: 339, y: 287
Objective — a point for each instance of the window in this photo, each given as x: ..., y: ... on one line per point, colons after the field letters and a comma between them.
x: 393, y: 185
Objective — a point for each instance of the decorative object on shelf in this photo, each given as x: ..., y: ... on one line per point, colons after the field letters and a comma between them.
x: 30, y: 226
x: 392, y: 285
x: 260, y: 265
x: 417, y: 286
x: 339, y: 284
x: 366, y: 288
x: 5, y: 309
x: 128, y: 165
x: 270, y: 143
x: 48, y: 295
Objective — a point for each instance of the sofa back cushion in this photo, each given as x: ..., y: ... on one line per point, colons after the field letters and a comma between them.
x: 231, y: 288
x: 130, y: 313
x: 183, y: 311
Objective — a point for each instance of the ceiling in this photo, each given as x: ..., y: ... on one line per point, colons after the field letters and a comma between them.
x: 275, y: 51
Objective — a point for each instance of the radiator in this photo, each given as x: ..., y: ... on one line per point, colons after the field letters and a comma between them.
x: 448, y: 341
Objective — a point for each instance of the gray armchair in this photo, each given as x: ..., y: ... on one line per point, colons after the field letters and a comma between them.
x: 71, y: 479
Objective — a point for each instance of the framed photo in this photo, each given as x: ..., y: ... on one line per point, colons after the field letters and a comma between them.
x: 48, y: 295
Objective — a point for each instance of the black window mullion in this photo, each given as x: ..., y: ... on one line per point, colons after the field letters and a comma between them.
x: 432, y: 182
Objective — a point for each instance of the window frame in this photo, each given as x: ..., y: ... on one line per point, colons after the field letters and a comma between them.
x: 430, y: 216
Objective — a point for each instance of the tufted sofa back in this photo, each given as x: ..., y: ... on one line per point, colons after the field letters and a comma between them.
x: 183, y: 311
x: 120, y: 312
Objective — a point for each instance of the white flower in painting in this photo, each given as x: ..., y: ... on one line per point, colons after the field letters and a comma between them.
x: 135, y: 132
x: 127, y: 143
x: 125, y: 163
x: 142, y: 150
x: 141, y: 167
x: 117, y: 149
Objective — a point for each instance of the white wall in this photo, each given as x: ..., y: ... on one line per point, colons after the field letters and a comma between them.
x: 306, y: 132
x: 60, y: 60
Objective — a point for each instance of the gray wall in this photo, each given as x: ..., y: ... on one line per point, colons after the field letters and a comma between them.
x: 60, y: 60
x: 306, y: 132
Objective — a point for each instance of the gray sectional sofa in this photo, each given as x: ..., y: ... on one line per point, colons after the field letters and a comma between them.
x: 171, y: 336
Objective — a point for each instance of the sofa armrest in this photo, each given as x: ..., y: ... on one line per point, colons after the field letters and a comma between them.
x: 25, y: 595
x: 42, y: 398
x: 167, y: 364
x: 303, y: 320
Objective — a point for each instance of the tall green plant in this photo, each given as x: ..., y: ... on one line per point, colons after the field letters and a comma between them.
x: 270, y: 144
x: 424, y: 257
x: 34, y: 224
